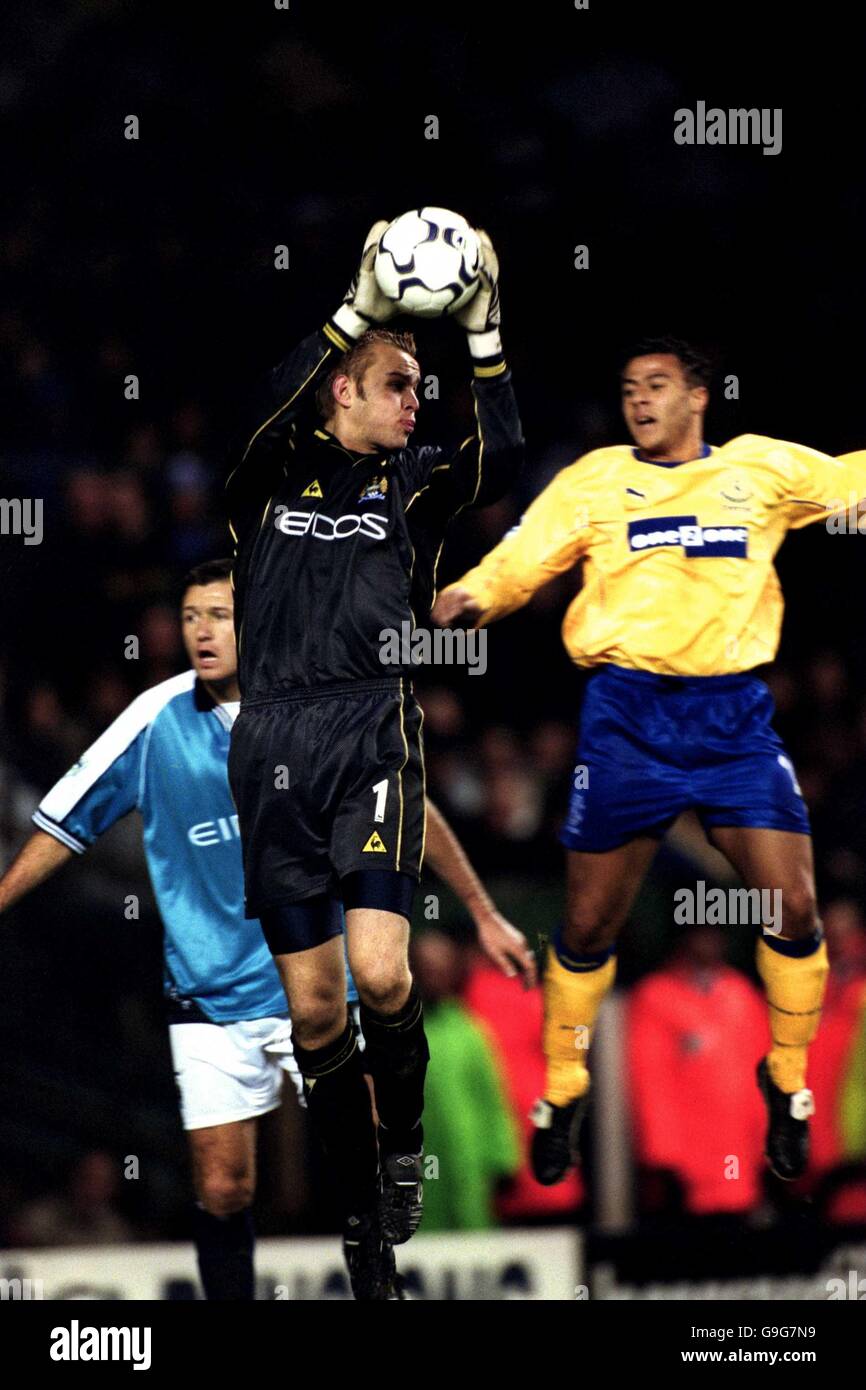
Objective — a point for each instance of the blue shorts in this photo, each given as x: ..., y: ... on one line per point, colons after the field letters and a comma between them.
x: 653, y: 746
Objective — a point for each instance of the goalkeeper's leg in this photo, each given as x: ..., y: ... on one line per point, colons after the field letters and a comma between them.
x: 328, y: 1057
x: 579, y: 971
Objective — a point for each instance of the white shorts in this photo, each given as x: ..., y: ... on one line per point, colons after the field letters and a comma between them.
x: 231, y: 1071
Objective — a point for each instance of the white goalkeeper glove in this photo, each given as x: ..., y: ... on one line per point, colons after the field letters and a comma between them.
x: 364, y: 303
x: 480, y: 317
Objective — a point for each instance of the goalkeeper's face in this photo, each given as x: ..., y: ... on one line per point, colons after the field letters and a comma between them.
x: 661, y: 408
x: 207, y: 623
x: 383, y: 404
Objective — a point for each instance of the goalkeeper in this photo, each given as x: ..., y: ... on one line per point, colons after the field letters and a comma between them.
x: 338, y: 524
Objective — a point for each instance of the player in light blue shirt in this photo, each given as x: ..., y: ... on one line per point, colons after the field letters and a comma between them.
x: 229, y: 1028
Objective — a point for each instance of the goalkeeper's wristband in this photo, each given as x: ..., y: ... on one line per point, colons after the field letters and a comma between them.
x: 487, y: 344
x: 493, y: 362
x: 347, y: 323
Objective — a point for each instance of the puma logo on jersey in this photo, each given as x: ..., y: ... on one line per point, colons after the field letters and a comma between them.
x: 313, y: 490
x: 374, y: 845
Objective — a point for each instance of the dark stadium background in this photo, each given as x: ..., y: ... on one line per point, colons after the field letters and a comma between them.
x: 155, y: 257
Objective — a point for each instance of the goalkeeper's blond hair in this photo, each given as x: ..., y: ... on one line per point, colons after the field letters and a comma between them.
x: 355, y: 362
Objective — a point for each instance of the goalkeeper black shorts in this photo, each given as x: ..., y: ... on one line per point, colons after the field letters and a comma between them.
x: 327, y: 783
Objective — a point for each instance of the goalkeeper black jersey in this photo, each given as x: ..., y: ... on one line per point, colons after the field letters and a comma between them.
x: 332, y: 547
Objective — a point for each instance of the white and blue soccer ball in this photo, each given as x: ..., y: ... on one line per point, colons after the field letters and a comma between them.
x: 428, y: 262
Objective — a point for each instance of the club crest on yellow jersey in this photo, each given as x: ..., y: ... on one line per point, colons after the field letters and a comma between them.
x: 736, y: 491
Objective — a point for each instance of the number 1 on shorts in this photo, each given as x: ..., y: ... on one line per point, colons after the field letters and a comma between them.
x: 380, y: 790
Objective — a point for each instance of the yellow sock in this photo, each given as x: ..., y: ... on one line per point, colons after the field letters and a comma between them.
x: 572, y: 999
x: 795, y: 992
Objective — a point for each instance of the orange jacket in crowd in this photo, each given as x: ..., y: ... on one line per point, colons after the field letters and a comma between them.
x: 694, y: 1038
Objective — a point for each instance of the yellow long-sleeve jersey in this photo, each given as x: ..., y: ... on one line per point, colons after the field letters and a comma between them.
x: 678, y: 559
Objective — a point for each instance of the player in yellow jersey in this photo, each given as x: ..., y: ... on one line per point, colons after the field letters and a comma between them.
x: 680, y: 604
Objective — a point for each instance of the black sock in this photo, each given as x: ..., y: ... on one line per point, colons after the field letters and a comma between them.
x: 396, y: 1055
x: 339, y: 1104
x: 225, y: 1255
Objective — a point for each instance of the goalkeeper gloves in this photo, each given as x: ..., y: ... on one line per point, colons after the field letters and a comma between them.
x: 364, y: 303
x: 480, y: 317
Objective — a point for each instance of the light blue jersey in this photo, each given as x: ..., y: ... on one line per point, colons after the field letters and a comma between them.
x: 165, y: 756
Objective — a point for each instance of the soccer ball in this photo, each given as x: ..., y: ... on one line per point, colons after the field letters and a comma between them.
x: 428, y: 262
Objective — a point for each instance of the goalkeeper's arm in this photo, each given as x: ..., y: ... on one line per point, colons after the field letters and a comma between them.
x: 270, y: 415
